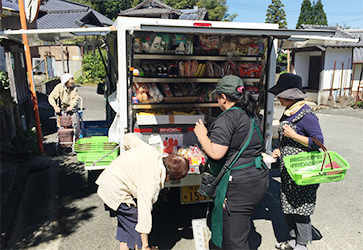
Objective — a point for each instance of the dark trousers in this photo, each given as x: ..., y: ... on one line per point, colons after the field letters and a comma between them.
x: 299, y: 228
x: 242, y: 199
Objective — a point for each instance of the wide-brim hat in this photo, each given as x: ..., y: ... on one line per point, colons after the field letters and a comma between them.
x: 228, y: 85
x: 289, y: 86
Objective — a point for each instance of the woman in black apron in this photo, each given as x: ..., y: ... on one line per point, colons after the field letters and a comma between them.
x: 245, y: 182
x: 297, y: 125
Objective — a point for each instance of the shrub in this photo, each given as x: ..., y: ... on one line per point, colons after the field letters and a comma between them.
x: 93, y: 71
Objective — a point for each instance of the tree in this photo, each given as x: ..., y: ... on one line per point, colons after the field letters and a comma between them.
x: 306, y: 14
x: 276, y: 14
x: 111, y: 9
x: 217, y: 9
x: 319, y: 14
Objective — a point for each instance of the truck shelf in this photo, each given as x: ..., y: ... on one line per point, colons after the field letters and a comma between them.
x: 197, y: 57
x: 186, y: 79
x: 175, y: 105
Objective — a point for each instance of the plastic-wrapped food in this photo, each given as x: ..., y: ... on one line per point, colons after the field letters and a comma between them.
x: 253, y: 49
x: 228, y: 45
x: 218, y: 70
x: 176, y: 90
x: 250, y: 70
x: 193, y: 68
x: 173, y: 70
x: 209, y: 69
x: 181, y: 69
x: 179, y: 39
x: 167, y: 89
x: 209, y: 42
x: 230, y: 68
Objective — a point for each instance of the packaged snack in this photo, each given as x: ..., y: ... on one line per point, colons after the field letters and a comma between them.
x: 181, y: 69
x: 193, y: 68
x: 179, y: 39
x: 209, y: 69
x: 137, y: 45
x: 176, y: 90
x: 252, y: 89
x: 228, y: 45
x: 172, y: 70
x: 253, y: 49
x: 218, y: 70
x: 145, y: 47
x: 156, y: 44
x: 209, y: 42
x: 180, y: 49
x: 166, y: 89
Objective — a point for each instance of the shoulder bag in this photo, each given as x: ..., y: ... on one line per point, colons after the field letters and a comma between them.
x: 209, y: 182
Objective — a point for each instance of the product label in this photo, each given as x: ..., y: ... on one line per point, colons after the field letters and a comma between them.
x: 170, y: 130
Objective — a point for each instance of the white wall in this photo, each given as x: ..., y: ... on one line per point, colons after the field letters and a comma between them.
x: 301, y: 66
x: 342, y: 75
x: 358, y: 68
x: 74, y: 66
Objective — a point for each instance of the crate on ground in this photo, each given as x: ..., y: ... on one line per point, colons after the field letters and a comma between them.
x: 93, y: 148
x: 95, y: 128
x: 305, y: 168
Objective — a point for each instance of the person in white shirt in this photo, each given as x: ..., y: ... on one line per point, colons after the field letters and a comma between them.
x: 130, y: 185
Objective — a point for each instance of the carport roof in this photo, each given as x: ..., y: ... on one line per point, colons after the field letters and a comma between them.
x: 358, y: 52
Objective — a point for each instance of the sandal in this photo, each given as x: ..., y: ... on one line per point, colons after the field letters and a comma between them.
x: 284, y: 246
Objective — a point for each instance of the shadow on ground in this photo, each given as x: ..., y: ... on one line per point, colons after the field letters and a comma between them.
x: 46, y: 211
x: 172, y: 220
x: 270, y: 209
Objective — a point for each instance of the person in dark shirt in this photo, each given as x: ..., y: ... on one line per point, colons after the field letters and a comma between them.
x: 298, y: 125
x: 245, y: 182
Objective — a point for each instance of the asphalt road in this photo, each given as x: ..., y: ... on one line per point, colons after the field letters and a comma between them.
x: 61, y: 210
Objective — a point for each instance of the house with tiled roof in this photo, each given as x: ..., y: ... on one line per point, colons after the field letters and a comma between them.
x: 327, y: 68
x: 357, y: 58
x: 158, y: 9
x: 60, y: 14
x: 66, y: 14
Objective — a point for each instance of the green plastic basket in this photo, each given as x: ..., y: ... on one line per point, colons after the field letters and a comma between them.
x: 305, y: 168
x: 93, y: 148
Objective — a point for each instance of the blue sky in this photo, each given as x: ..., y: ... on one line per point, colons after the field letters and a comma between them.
x: 348, y: 12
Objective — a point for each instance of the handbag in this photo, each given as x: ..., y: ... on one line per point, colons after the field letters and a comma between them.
x: 209, y: 183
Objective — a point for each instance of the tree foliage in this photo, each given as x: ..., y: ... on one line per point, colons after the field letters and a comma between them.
x: 306, y: 14
x: 319, y: 14
x: 276, y: 14
x: 111, y: 9
x: 217, y: 9
x: 93, y: 70
x: 312, y: 14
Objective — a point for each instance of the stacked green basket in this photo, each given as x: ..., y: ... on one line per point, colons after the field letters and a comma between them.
x: 306, y: 168
x: 93, y: 148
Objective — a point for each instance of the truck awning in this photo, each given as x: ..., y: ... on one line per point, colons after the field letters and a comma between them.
x: 293, y: 38
x: 301, y: 41
x: 35, y: 36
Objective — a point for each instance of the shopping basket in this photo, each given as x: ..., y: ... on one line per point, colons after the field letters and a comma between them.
x: 308, y: 168
x: 96, y: 149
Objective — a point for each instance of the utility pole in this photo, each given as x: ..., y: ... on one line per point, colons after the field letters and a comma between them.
x: 30, y: 75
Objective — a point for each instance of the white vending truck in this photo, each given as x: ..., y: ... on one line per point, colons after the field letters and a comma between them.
x: 167, y: 70
x: 160, y: 74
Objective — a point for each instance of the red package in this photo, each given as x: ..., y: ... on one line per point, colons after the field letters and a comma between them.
x: 335, y: 166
